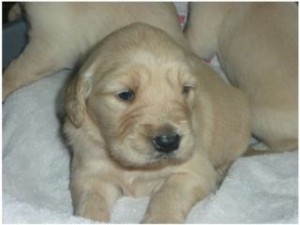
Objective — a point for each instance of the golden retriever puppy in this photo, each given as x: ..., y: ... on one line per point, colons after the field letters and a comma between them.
x: 257, y: 44
x: 62, y: 32
x: 147, y: 118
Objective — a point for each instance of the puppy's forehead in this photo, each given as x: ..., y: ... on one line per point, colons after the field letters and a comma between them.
x: 138, y: 51
x: 149, y: 69
x: 173, y: 67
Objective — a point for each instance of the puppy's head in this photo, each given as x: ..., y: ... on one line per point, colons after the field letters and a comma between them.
x: 138, y: 89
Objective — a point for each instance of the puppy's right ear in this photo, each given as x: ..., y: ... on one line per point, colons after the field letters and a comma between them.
x: 76, y: 94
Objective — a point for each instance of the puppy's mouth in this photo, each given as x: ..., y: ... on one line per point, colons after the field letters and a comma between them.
x: 166, y: 157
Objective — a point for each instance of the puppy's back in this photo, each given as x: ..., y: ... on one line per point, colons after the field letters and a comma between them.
x: 226, y: 123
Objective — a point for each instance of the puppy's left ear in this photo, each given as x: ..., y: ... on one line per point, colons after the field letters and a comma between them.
x: 76, y: 94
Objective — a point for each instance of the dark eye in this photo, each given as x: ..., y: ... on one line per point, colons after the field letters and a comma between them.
x: 127, y: 95
x: 186, y: 89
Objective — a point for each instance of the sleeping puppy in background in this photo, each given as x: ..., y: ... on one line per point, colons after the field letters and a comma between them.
x: 61, y: 33
x: 147, y: 118
x: 257, y: 45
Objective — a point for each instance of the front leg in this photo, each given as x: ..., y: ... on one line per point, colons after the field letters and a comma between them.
x: 93, y: 198
x: 174, y: 200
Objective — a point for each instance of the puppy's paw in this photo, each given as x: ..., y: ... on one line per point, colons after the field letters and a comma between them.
x: 93, y: 207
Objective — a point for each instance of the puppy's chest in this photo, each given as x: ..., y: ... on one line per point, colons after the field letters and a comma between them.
x: 141, y: 185
x: 138, y: 183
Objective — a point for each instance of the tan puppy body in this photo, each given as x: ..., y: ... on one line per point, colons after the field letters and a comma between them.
x: 62, y: 33
x: 257, y: 47
x: 112, y: 139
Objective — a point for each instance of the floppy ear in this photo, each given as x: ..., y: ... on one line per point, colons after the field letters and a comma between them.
x: 75, y: 99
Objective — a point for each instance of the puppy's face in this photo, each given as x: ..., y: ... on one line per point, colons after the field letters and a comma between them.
x: 143, y: 104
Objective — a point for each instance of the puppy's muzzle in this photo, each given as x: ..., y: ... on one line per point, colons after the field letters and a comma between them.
x: 166, y: 143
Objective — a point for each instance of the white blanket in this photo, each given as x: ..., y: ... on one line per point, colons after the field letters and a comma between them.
x: 260, y: 189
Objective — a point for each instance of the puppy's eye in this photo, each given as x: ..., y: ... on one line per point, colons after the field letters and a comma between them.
x: 186, y: 89
x: 127, y: 95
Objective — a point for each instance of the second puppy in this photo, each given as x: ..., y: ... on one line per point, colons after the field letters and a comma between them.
x: 257, y: 44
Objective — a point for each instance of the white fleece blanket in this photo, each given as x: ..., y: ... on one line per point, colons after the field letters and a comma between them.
x: 260, y: 189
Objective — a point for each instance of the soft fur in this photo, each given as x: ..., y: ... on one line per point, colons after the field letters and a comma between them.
x: 112, y: 139
x: 257, y: 44
x: 62, y: 32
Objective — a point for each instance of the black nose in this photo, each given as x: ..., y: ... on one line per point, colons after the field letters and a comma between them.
x: 166, y: 143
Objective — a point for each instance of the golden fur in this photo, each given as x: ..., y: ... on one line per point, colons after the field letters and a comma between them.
x: 112, y: 138
x: 62, y: 32
x: 257, y: 44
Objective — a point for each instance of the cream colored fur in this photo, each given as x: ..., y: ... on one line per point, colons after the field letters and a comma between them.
x: 111, y: 138
x: 61, y: 33
x: 257, y: 44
